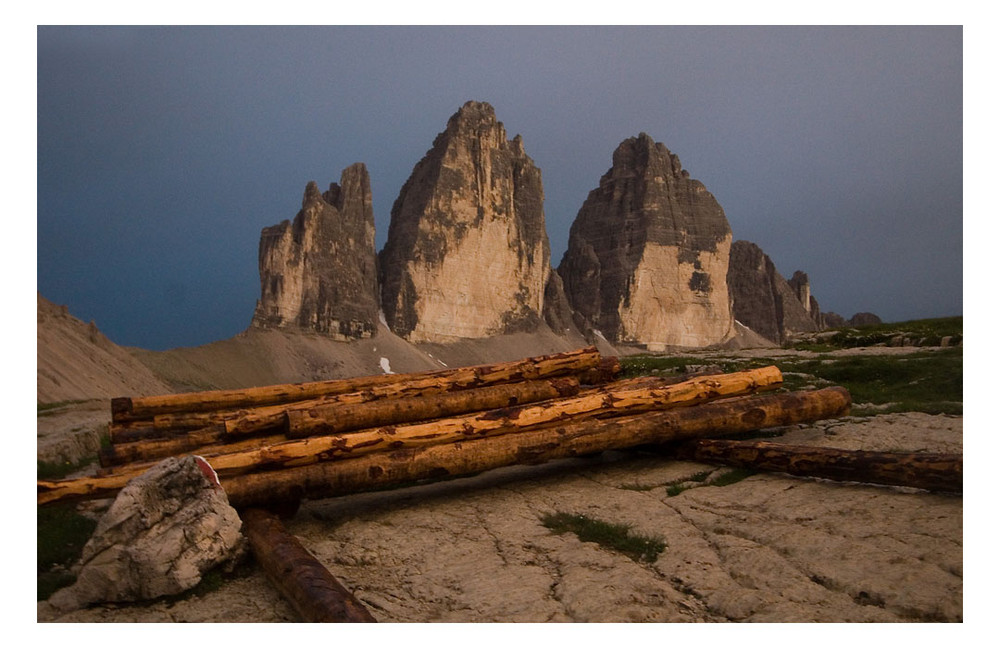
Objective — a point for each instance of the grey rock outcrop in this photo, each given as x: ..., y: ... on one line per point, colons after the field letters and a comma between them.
x: 762, y: 299
x: 467, y: 254
x: 648, y: 254
x: 165, y: 529
x: 317, y: 272
x: 864, y: 319
x: 833, y: 320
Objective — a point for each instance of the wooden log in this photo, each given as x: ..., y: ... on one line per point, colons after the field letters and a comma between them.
x: 304, y: 582
x: 926, y: 470
x: 335, y: 419
x: 606, y: 371
x: 612, y: 402
x: 137, y: 456
x: 640, y: 395
x: 546, y: 366
x: 206, y: 441
x: 340, y: 415
x: 564, y: 439
x: 247, y: 421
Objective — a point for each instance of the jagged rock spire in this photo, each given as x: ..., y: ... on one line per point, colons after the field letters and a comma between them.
x: 467, y: 254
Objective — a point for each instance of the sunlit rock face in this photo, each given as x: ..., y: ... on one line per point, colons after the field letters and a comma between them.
x: 467, y: 255
x: 317, y: 272
x: 648, y: 254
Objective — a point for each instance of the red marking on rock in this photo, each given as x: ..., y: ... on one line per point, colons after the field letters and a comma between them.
x: 208, y: 471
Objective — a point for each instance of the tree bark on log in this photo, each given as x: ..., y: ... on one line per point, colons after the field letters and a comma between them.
x: 342, y: 417
x: 464, y: 458
x: 311, y: 589
x: 492, y: 422
x: 335, y: 419
x: 634, y: 397
x: 929, y: 471
x: 214, y: 440
x: 546, y: 366
x: 560, y: 439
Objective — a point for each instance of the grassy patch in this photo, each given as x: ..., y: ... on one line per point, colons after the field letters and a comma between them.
x: 733, y: 476
x: 62, y: 533
x: 616, y: 537
x: 929, y: 382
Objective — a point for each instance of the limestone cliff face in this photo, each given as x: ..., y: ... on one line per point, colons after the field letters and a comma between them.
x: 648, y: 254
x: 763, y: 300
x: 467, y: 255
x: 317, y: 272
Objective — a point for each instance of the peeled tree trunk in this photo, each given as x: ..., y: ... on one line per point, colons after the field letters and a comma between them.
x: 926, y: 470
x: 561, y: 440
x: 304, y: 582
x: 546, y: 366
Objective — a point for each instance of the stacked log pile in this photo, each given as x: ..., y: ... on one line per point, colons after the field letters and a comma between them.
x: 276, y: 445
x: 273, y: 446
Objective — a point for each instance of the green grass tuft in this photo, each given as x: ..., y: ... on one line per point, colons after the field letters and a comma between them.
x: 733, y: 476
x: 616, y: 537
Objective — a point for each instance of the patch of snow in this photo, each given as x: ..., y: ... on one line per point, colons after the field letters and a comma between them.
x: 599, y: 334
x: 381, y: 318
x: 384, y: 363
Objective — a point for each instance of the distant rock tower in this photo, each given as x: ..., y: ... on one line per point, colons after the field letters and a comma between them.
x: 763, y: 300
x: 317, y: 272
x: 648, y: 254
x: 467, y: 255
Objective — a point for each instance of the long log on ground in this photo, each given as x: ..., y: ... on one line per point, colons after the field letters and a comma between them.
x: 546, y: 366
x: 341, y: 416
x: 929, y: 471
x: 311, y: 589
x: 572, y: 439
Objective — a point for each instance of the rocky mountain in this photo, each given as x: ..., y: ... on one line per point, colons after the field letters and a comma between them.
x: 766, y: 302
x: 317, y: 272
x: 648, y: 254
x: 467, y: 254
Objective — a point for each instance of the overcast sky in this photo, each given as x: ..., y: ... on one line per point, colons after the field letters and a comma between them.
x: 162, y: 152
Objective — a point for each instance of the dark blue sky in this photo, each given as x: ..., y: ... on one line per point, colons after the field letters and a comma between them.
x: 162, y: 152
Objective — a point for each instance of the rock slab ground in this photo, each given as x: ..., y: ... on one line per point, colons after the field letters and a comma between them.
x: 768, y: 548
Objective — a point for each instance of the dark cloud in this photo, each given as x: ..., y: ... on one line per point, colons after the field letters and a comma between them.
x: 162, y: 152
